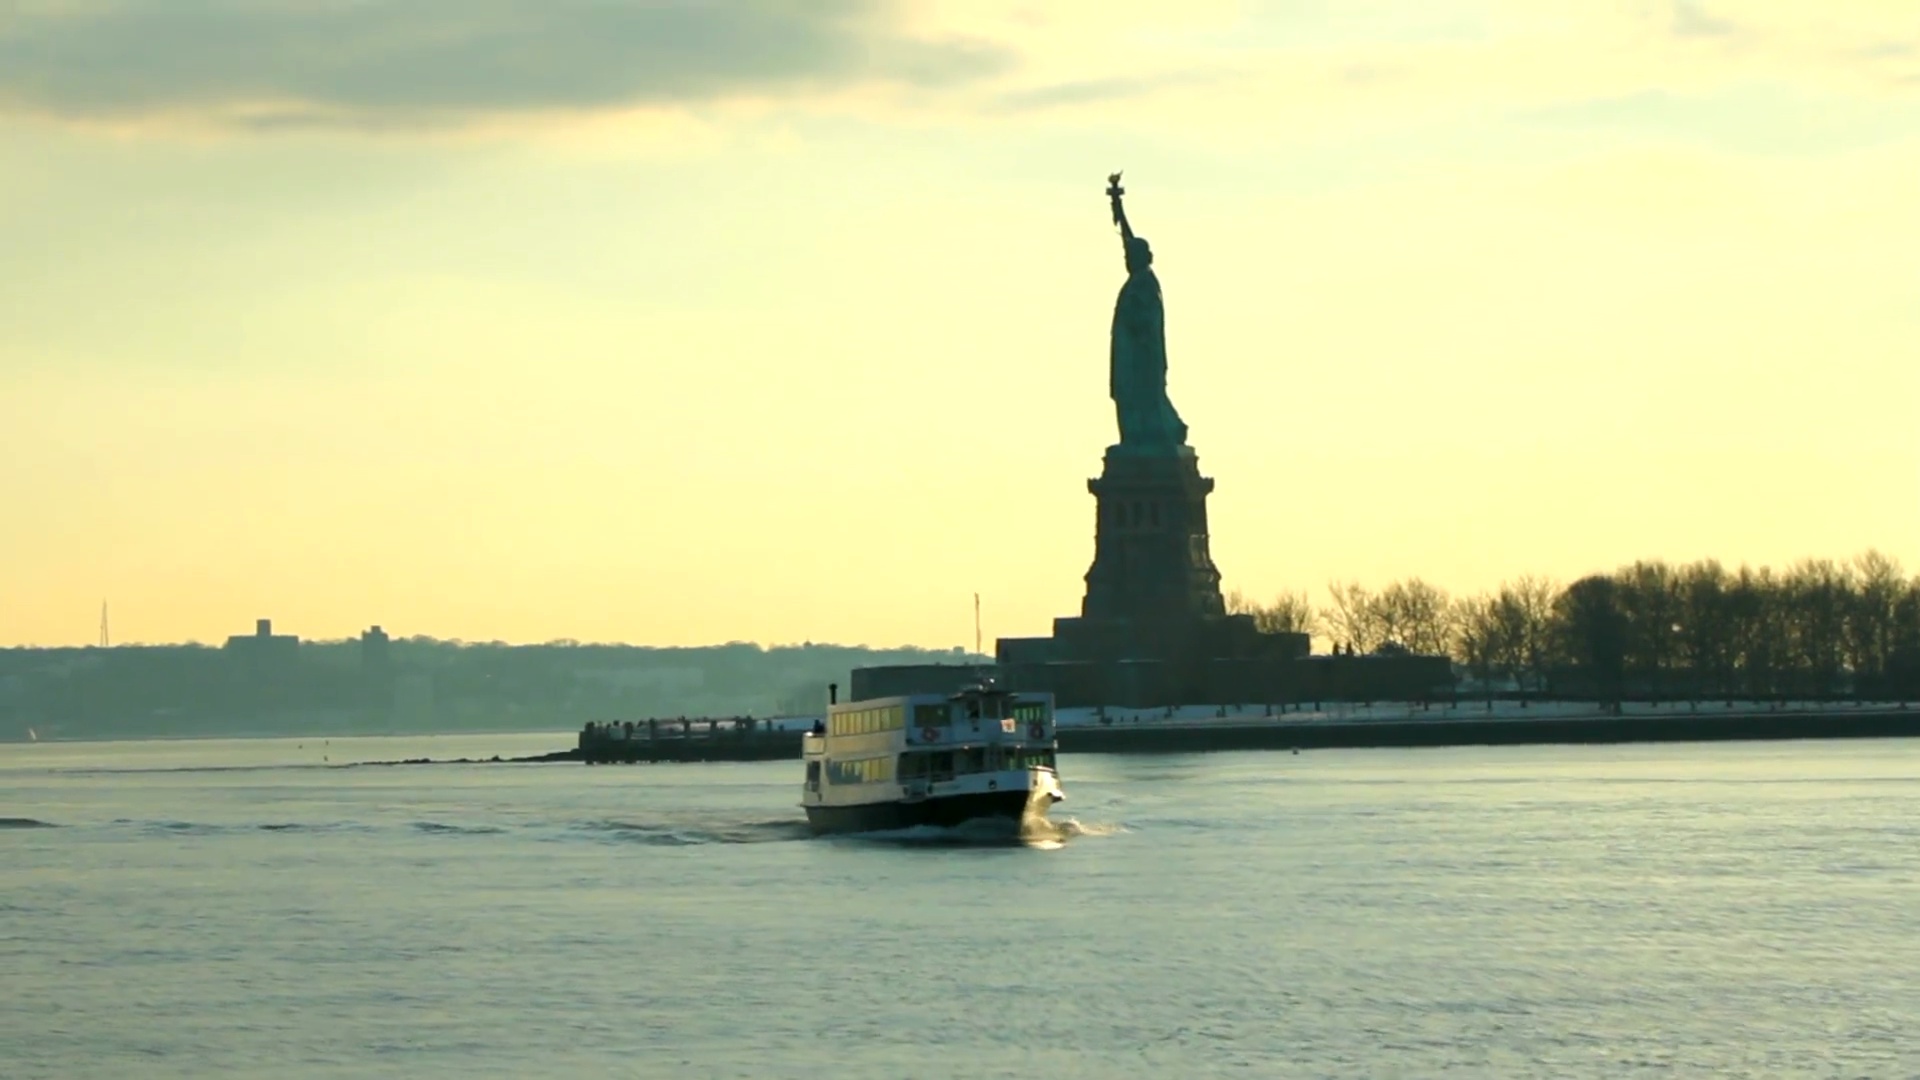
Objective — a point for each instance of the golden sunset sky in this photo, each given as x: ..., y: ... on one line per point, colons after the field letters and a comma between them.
x: 782, y: 320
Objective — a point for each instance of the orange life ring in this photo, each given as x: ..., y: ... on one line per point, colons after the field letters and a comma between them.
x: 1036, y: 730
x: 929, y: 734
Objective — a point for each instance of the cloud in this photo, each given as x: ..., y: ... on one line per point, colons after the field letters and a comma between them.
x: 1100, y: 91
x: 370, y: 63
x: 1690, y: 19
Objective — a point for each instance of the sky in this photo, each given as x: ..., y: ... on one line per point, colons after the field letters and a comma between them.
x: 674, y: 322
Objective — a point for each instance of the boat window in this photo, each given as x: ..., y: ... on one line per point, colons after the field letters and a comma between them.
x: 1030, y: 712
x: 871, y: 770
x: 1025, y: 758
x: 868, y: 721
x: 930, y: 716
x: 813, y: 776
x: 947, y: 764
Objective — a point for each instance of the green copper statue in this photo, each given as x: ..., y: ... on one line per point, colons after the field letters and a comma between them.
x: 1137, y: 375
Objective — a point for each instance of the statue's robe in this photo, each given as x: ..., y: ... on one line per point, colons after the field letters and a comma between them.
x: 1137, y: 366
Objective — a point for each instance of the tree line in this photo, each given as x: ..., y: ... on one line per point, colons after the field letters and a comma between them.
x: 1820, y: 628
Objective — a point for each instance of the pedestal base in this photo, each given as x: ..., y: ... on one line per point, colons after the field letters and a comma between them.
x: 1151, y: 560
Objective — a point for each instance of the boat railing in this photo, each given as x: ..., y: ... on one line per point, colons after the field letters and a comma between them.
x: 657, y: 730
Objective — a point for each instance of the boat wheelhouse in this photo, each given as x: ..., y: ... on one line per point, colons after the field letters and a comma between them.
x: 931, y: 759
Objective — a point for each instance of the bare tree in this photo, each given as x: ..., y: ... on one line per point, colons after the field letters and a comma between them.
x: 1417, y: 615
x: 1353, y: 618
x: 1479, y: 638
x: 1509, y: 637
x: 1291, y: 612
x: 1757, y: 631
x: 1706, y: 626
x: 1878, y: 584
x: 1525, y: 610
x: 1648, y: 595
x: 1818, y: 597
x: 1903, y: 659
x: 1593, y: 632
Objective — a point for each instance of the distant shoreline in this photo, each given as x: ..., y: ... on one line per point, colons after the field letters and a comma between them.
x: 311, y: 736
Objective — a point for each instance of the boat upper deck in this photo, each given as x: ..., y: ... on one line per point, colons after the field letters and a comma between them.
x: 978, y: 715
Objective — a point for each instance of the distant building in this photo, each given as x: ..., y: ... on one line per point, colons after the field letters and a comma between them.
x: 376, y: 657
x: 377, y: 687
x: 263, y: 645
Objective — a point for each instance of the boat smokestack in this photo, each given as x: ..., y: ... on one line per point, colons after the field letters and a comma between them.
x: 833, y: 693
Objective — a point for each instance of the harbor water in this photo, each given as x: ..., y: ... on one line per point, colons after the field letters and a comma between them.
x: 252, y: 908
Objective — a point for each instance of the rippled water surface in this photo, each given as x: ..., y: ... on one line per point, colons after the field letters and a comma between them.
x: 203, y: 909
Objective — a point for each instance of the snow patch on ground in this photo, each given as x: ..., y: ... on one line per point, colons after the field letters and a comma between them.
x: 1336, y: 712
x: 1401, y: 712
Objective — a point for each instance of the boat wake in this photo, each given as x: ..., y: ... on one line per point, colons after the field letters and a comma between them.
x: 1050, y: 833
x: 694, y: 833
x: 1033, y: 831
x: 1069, y: 828
x: 442, y: 828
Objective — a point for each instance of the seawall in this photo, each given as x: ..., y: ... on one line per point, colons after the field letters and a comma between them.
x: 1201, y: 737
x: 1142, y: 736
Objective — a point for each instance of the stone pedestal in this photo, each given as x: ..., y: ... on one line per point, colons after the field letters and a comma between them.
x: 1151, y: 560
x: 1153, y: 628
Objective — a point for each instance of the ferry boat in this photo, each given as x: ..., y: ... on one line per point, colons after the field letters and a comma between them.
x: 930, y: 759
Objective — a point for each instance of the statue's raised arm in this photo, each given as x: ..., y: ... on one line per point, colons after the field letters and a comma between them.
x: 1114, y: 191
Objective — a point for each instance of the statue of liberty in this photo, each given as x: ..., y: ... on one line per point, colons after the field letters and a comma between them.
x: 1137, y: 372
